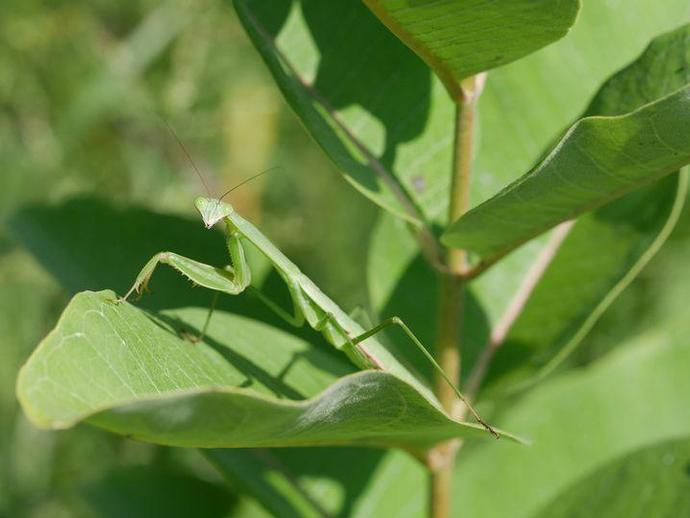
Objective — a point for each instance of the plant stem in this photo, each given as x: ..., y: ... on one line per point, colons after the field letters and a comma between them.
x: 442, y: 457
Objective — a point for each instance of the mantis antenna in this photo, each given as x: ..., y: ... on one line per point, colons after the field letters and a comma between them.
x: 274, y: 168
x: 198, y: 172
x: 189, y: 157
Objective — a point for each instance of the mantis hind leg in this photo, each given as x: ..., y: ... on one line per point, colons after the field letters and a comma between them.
x: 396, y: 321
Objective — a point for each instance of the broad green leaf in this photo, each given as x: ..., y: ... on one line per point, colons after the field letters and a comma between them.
x: 459, y: 38
x: 527, y: 103
x: 626, y: 235
x: 353, y: 112
x: 130, y: 372
x: 636, y: 132
x: 599, y: 160
x: 46, y: 231
x: 653, y: 481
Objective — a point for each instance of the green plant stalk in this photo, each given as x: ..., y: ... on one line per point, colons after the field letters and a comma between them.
x: 441, y: 459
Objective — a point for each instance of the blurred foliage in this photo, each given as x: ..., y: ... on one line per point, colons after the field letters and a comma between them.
x: 84, y: 90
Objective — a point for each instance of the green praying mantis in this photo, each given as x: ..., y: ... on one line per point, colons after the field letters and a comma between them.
x: 309, y: 303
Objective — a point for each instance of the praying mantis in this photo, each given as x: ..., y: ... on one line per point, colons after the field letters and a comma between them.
x: 309, y: 304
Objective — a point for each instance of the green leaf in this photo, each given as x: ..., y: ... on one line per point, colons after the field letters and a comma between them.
x: 600, y: 158
x: 345, y: 108
x: 353, y: 112
x: 652, y: 481
x: 459, y: 38
x: 560, y: 312
x: 130, y: 372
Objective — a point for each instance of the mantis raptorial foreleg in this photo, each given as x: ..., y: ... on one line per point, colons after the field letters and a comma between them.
x: 232, y: 280
x: 229, y: 280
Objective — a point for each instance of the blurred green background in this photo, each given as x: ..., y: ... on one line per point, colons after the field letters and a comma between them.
x: 85, y: 89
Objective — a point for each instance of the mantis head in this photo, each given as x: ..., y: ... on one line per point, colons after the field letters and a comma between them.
x: 212, y: 210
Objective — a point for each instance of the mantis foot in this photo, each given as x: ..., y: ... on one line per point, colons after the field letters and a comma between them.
x: 191, y: 337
